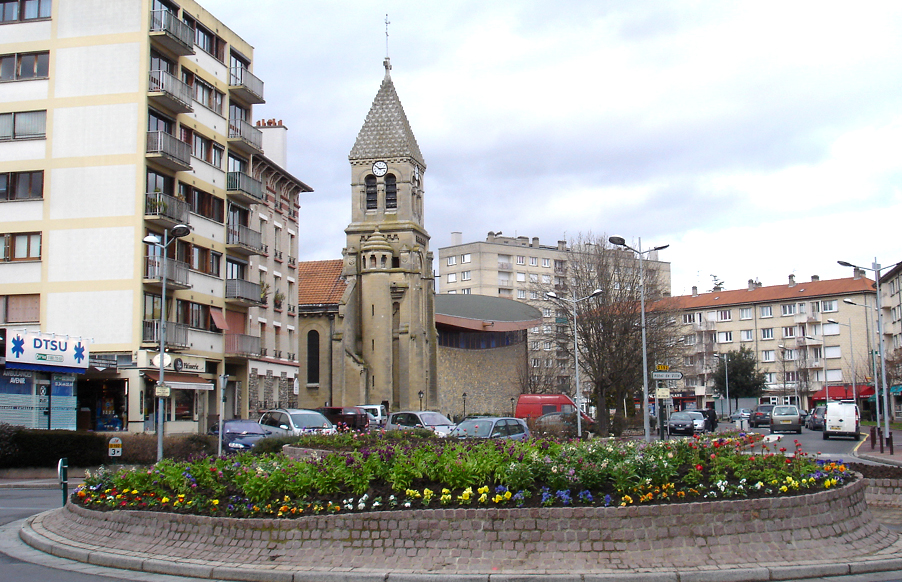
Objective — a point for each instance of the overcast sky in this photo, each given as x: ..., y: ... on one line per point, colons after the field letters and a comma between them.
x: 758, y: 139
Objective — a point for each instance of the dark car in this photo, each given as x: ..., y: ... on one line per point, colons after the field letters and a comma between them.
x: 353, y: 417
x: 240, y: 435
x: 761, y: 415
x: 492, y: 427
x: 815, y: 420
x: 562, y: 424
x: 688, y: 422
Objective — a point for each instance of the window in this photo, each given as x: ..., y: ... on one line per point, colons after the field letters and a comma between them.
x: 725, y: 315
x: 313, y: 357
x: 204, y: 93
x: 371, y: 194
x: 745, y: 313
x: 747, y: 335
x: 207, y: 150
x: 16, y: 10
x: 465, y: 275
x: 521, y: 293
x: 790, y: 355
x: 20, y: 246
x: 158, y: 122
x: 533, y: 294
x: 546, y: 262
x: 23, y: 125
x: 791, y: 376
x: 535, y: 362
x: 768, y: 356
x: 194, y: 315
x: 789, y: 332
x: 816, y: 353
x: 832, y: 352
x: 688, y: 318
x: 689, y: 340
x: 546, y: 279
x: 452, y: 277
x: 546, y: 312
x: 533, y: 261
x: 767, y: 333
x: 724, y: 337
x: 465, y: 258
x: 770, y: 377
x: 766, y: 311
x: 828, y: 306
x: 546, y: 345
x: 17, y: 67
x: 21, y: 308
x: 788, y: 309
x: 831, y: 329
x: 521, y: 260
x: 391, y: 191
x: 533, y: 278
x: 559, y: 265
x: 207, y: 41
x: 452, y: 260
x: 22, y: 185
x: 521, y: 277
x: 834, y: 375
x: 203, y: 203
x: 465, y: 291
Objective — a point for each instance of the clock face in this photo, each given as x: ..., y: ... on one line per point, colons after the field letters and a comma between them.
x: 380, y: 168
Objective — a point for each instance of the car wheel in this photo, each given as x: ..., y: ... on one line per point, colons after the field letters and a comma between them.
x: 857, y: 436
x: 799, y: 431
x: 826, y: 436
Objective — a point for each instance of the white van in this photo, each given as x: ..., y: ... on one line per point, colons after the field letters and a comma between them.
x: 842, y: 418
x: 377, y: 411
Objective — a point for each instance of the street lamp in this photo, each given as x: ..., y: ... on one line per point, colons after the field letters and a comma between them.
x: 620, y: 241
x: 169, y: 235
x: 726, y: 373
x: 512, y: 405
x: 851, y: 353
x: 579, y: 392
x: 875, y: 267
x: 420, y: 394
x: 465, y: 404
x: 873, y: 368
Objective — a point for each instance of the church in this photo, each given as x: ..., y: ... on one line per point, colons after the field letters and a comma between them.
x: 367, y: 322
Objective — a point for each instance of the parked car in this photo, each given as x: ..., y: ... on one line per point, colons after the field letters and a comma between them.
x: 740, y: 414
x: 760, y: 415
x: 786, y: 418
x: 492, y: 427
x: 815, y: 420
x: 296, y: 421
x: 686, y: 422
x: 240, y: 435
x: 378, y: 411
x: 410, y: 419
x: 842, y: 418
x: 353, y: 417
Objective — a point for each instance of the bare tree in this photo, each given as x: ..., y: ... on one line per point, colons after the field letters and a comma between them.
x: 537, y: 376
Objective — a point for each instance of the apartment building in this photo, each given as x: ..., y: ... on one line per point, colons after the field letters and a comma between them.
x: 135, y: 190
x: 891, y: 304
x: 806, y: 336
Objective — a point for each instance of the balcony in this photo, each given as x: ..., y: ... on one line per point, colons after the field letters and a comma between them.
x: 292, y: 309
x: 176, y: 273
x: 243, y: 241
x: 244, y: 85
x: 168, y: 151
x: 242, y: 292
x: 809, y: 341
x: 244, y: 188
x: 292, y: 357
x: 167, y: 92
x: 292, y: 261
x: 244, y: 137
x: 176, y: 334
x: 505, y: 282
x: 242, y: 345
x: 164, y: 209
x: 171, y: 33
x: 811, y: 363
x: 503, y: 266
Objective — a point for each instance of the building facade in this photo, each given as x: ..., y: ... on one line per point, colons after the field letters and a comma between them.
x: 125, y: 133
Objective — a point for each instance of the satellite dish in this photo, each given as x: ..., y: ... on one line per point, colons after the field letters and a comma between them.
x: 155, y: 361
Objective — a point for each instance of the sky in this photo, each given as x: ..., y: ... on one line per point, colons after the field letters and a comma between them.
x: 757, y: 139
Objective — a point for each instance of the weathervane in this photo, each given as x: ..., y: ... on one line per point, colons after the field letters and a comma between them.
x: 386, y: 35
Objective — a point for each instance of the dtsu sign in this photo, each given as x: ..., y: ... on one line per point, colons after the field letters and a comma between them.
x: 35, y: 350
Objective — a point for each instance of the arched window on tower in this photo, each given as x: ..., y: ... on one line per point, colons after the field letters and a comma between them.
x: 371, y: 196
x: 391, y: 191
x: 312, y: 357
x: 383, y: 261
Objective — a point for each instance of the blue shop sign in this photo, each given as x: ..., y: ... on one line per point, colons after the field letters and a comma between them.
x: 16, y: 382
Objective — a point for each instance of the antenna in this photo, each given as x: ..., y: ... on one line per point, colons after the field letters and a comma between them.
x: 386, y: 35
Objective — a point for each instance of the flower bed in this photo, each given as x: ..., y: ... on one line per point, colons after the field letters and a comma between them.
x: 392, y: 474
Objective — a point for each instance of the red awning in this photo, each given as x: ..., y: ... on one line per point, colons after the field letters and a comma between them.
x: 178, y: 381
x: 218, y: 318
x: 844, y: 392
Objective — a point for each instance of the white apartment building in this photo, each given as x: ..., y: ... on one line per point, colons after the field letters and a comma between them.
x: 891, y: 304
x: 120, y: 121
x: 805, y: 335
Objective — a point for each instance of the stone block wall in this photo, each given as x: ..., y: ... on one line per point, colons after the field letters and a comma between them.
x: 489, y: 378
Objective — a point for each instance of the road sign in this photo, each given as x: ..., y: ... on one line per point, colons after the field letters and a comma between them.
x: 662, y: 393
x: 115, y: 447
x: 662, y: 367
x: 667, y: 375
x: 162, y: 391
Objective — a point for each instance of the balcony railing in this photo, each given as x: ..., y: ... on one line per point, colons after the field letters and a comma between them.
x: 243, y: 290
x: 244, y: 131
x: 505, y: 282
x: 277, y: 255
x: 179, y: 36
x: 251, y: 240
x: 241, y: 184
x: 292, y: 309
x: 166, y: 206
x: 176, y: 333
x: 248, y: 87
x: 176, y: 271
x: 173, y: 152
x: 239, y: 344
x: 291, y: 356
x: 504, y: 266
x: 179, y: 93
x: 277, y: 354
x: 292, y: 261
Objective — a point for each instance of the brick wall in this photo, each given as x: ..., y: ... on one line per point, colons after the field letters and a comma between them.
x: 489, y: 377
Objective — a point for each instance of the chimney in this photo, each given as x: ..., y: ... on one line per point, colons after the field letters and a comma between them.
x: 859, y: 273
x: 456, y: 238
x: 535, y: 242
x: 792, y: 280
x: 695, y: 290
x: 815, y: 278
x: 275, y: 141
x: 752, y: 285
x: 562, y: 245
x: 717, y: 289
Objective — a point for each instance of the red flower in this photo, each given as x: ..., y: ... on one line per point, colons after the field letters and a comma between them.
x: 698, y: 467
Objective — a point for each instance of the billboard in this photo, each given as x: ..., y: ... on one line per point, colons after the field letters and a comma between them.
x: 35, y: 350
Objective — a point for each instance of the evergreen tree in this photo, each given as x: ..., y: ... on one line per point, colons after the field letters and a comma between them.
x: 746, y: 381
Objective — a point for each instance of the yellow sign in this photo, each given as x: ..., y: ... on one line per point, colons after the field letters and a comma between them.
x: 662, y: 367
x: 662, y: 393
x: 115, y: 447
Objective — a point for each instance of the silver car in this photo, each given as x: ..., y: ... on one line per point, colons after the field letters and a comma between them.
x: 489, y: 427
x: 411, y: 419
x: 296, y: 421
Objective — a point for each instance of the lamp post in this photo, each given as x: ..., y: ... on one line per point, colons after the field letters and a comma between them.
x: 873, y: 368
x: 726, y: 373
x: 851, y: 355
x: 875, y: 268
x: 513, y: 400
x: 465, y: 404
x: 420, y: 394
x: 169, y: 235
x: 579, y: 392
x: 620, y: 241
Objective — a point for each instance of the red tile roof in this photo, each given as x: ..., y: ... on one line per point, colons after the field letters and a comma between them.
x: 320, y: 282
x: 773, y: 293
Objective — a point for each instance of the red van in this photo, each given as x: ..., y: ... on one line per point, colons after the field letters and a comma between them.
x: 532, y: 406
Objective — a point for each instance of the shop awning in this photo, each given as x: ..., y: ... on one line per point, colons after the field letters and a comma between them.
x: 844, y: 392
x: 44, y: 368
x: 895, y: 389
x: 218, y: 318
x: 178, y: 381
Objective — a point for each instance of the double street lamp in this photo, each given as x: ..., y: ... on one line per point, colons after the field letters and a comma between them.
x: 620, y: 241
x: 726, y: 373
x: 579, y: 393
x: 153, y: 240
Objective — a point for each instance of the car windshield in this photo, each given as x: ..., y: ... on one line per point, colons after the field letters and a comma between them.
x: 434, y: 419
x: 785, y: 410
x: 310, y: 420
x: 680, y: 416
x: 478, y: 428
x: 243, y: 428
x: 696, y: 415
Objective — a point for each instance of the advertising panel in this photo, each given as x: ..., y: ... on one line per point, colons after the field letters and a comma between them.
x: 35, y: 350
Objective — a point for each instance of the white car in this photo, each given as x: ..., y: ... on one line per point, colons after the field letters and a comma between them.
x: 296, y: 421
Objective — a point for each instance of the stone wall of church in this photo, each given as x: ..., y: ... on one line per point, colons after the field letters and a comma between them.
x: 488, y: 377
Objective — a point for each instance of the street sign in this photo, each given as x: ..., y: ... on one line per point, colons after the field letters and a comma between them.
x: 662, y: 393
x: 667, y: 375
x: 162, y: 391
x: 115, y: 447
x: 662, y: 367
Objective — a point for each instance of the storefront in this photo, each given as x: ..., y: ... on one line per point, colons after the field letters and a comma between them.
x: 38, y: 379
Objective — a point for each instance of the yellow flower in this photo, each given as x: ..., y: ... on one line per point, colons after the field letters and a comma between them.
x: 784, y: 489
x: 483, y: 490
x: 483, y: 498
x: 507, y: 495
x: 446, y: 491
x: 134, y: 491
x: 497, y: 498
x: 215, y: 502
x: 165, y: 500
